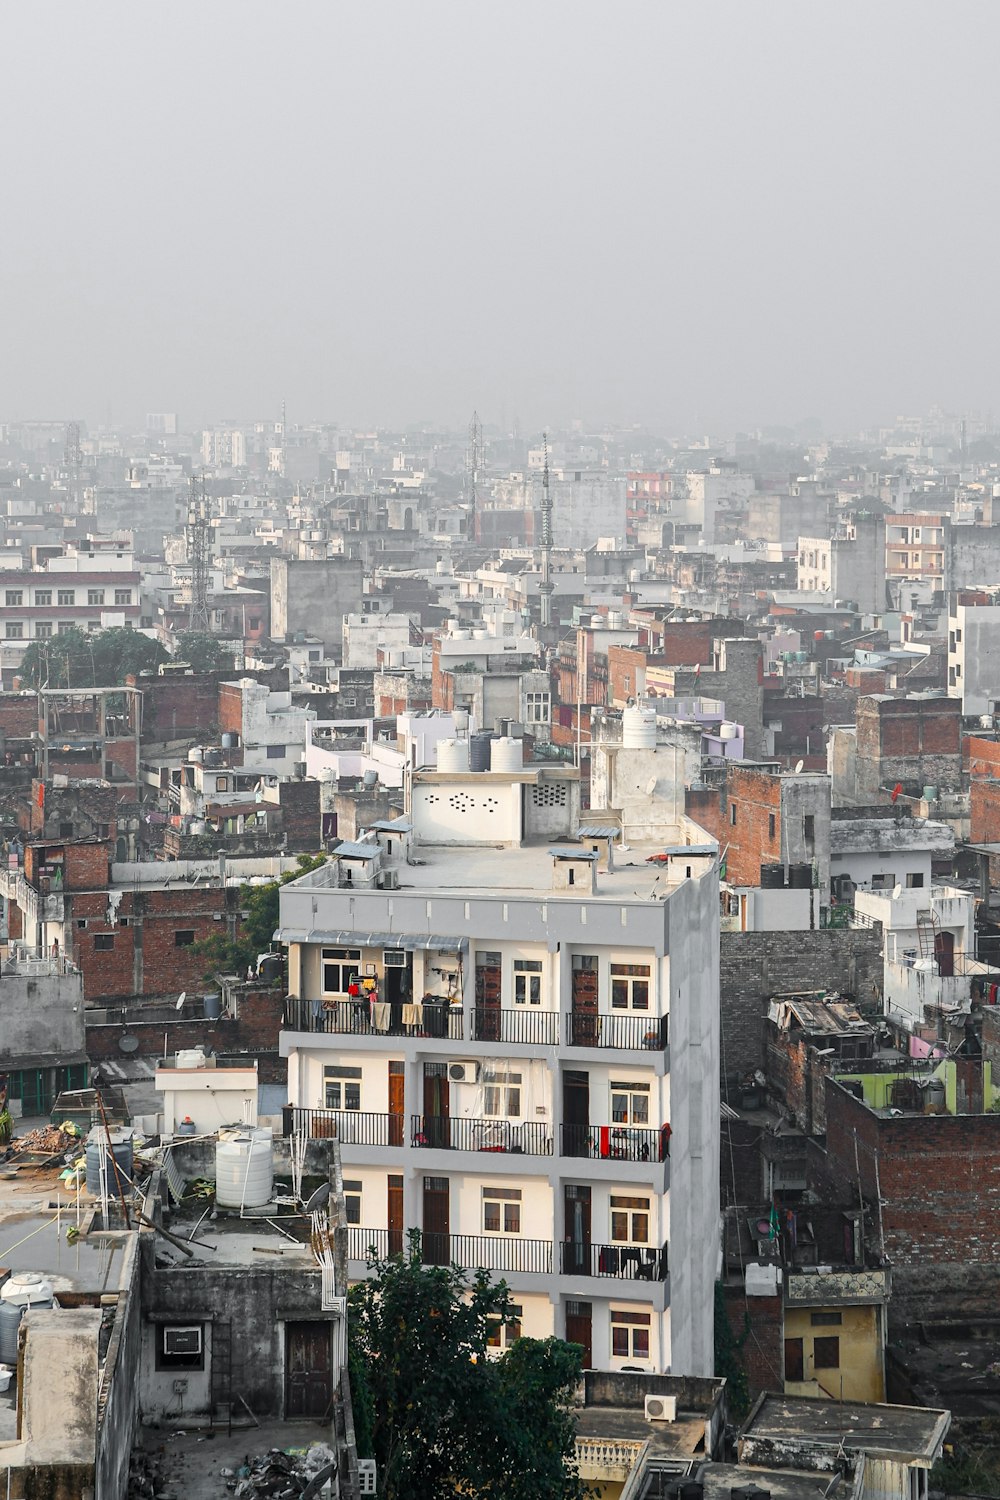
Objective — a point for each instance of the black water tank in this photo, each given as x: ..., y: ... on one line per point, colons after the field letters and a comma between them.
x: 772, y: 877
x: 800, y: 877
x: 479, y: 751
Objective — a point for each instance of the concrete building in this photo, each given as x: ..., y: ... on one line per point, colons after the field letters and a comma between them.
x: 377, y: 638
x: 496, y: 989
x: 850, y: 564
x: 916, y: 551
x: 974, y: 651
x: 42, y: 1039
x: 91, y: 586
x: 312, y: 596
x: 930, y: 953
x: 877, y: 849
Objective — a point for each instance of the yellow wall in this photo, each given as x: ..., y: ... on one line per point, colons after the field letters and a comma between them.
x: 860, y: 1354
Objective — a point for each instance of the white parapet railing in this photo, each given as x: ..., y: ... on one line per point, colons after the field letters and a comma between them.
x: 608, y: 1458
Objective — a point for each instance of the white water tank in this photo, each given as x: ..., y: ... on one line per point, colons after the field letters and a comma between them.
x: 196, y: 755
x: 506, y: 754
x: 244, y: 1169
x: 639, y: 728
x: 615, y: 619
x: 460, y: 719
x: 453, y: 755
x: 20, y: 1291
x: 728, y: 730
x: 191, y: 1057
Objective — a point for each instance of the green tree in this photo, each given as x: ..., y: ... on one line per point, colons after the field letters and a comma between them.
x: 441, y: 1416
x: 205, y: 653
x: 76, y: 659
x: 261, y: 904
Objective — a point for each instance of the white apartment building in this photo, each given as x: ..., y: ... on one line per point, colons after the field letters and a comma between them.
x: 973, y: 646
x: 512, y: 1025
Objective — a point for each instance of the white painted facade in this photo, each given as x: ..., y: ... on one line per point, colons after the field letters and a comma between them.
x: 973, y: 656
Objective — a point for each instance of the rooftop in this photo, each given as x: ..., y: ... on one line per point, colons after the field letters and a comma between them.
x: 899, y: 1432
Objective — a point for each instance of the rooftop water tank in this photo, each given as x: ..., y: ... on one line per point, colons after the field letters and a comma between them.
x: 121, y: 1151
x: 20, y: 1291
x: 479, y: 751
x: 639, y: 728
x: 772, y: 877
x: 196, y: 755
x: 728, y: 730
x: 615, y: 619
x: 460, y: 719
x: 507, y: 754
x: 453, y: 755
x: 244, y: 1170
x: 191, y: 1057
x: 369, y: 779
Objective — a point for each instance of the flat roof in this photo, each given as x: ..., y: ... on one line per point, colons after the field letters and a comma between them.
x: 877, y: 1428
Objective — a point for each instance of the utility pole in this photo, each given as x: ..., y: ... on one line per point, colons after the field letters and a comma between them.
x: 545, y: 587
x: 197, y: 546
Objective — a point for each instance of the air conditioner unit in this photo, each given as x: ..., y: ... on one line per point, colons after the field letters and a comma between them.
x: 463, y: 1072
x: 389, y: 880
x: 660, y: 1408
x: 183, y: 1340
x: 394, y: 958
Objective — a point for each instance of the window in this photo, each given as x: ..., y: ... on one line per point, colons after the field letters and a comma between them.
x: 915, y: 880
x: 629, y: 1220
x: 184, y: 937
x: 502, y: 1095
x: 502, y: 1335
x: 340, y: 965
x: 43, y: 598
x: 629, y: 1103
x: 123, y: 596
x: 65, y: 830
x: 64, y: 626
x: 352, y: 1201
x: 43, y: 630
x: 180, y: 1347
x: 732, y: 814
x: 104, y: 942
x: 15, y: 630
x: 630, y: 986
x: 629, y: 1334
x: 501, y: 1210
x: 95, y: 596
x: 253, y: 623
x: 885, y: 881
x: 527, y: 981
x: 826, y: 1354
x: 275, y: 752
x: 794, y: 1363
x: 536, y: 708
x: 14, y: 597
x: 826, y: 1319
x: 809, y: 828
x: 771, y: 825
x: 342, y: 1088
x: 222, y: 783
x: 66, y: 596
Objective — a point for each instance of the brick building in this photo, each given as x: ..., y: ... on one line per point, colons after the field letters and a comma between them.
x: 913, y: 741
x: 762, y: 816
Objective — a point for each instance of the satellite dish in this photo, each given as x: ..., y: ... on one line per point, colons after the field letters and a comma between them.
x: 128, y: 1043
x: 180, y: 1000
x: 800, y: 766
x: 650, y: 786
x: 319, y: 1199
x: 897, y: 891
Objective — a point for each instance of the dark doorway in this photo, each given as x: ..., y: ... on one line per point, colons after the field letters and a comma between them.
x: 395, y: 1211
x: 397, y: 989
x: 436, y: 1107
x: 944, y: 952
x: 397, y: 1085
x: 584, y: 997
x: 579, y: 1329
x: 308, y: 1370
x: 576, y: 1113
x: 576, y: 1245
x: 488, y: 982
x: 437, y: 1221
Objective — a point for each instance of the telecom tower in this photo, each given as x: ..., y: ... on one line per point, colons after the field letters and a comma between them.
x: 73, y: 457
x: 197, y: 544
x: 545, y: 588
x: 473, y: 471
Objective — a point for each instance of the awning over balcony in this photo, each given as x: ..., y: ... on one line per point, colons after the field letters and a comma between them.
x: 349, y: 938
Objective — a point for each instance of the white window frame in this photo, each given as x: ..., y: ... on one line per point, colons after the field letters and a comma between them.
x: 635, y: 1230
x: 507, y: 1202
x: 528, y: 976
x: 502, y: 1335
x: 342, y: 1089
x: 630, y: 1319
x: 348, y: 960
x: 502, y: 1095
x: 354, y: 1190
x: 631, y: 984
x: 633, y: 1094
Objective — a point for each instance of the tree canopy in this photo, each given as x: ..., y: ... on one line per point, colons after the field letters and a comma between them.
x: 441, y: 1416
x: 261, y: 904
x: 76, y: 659
x: 205, y: 653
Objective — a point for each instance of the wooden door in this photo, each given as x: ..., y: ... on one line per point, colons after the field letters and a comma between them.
x: 395, y: 1215
x: 576, y: 1245
x: 436, y: 1105
x: 396, y: 1103
x: 308, y: 1370
x: 576, y: 1113
x: 584, y: 1000
x: 488, y: 985
x: 580, y: 1329
x: 944, y: 952
x: 437, y: 1222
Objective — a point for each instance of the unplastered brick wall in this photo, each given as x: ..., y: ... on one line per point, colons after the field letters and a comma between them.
x: 933, y: 1180
x: 252, y: 1034
x: 151, y: 948
x: 757, y: 965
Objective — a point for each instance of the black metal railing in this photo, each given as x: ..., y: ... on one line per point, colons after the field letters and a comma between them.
x: 360, y: 1018
x: 352, y: 1127
x: 628, y: 1032
x: 472, y: 1252
x: 373, y: 1244
x: 536, y: 1027
x: 620, y: 1262
x: 614, y: 1142
x: 532, y: 1138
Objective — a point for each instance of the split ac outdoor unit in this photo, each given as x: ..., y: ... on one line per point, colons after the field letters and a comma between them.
x: 660, y: 1408
x: 463, y: 1072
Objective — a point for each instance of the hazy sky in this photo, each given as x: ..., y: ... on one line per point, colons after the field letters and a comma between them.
x: 695, y: 214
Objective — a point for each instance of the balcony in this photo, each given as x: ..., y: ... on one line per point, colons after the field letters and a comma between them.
x: 352, y: 1127
x: 358, y: 1018
x: 539, y: 1028
x: 636, y: 1033
x: 532, y: 1138
x: 614, y: 1142
x: 472, y: 1252
x: 620, y: 1262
